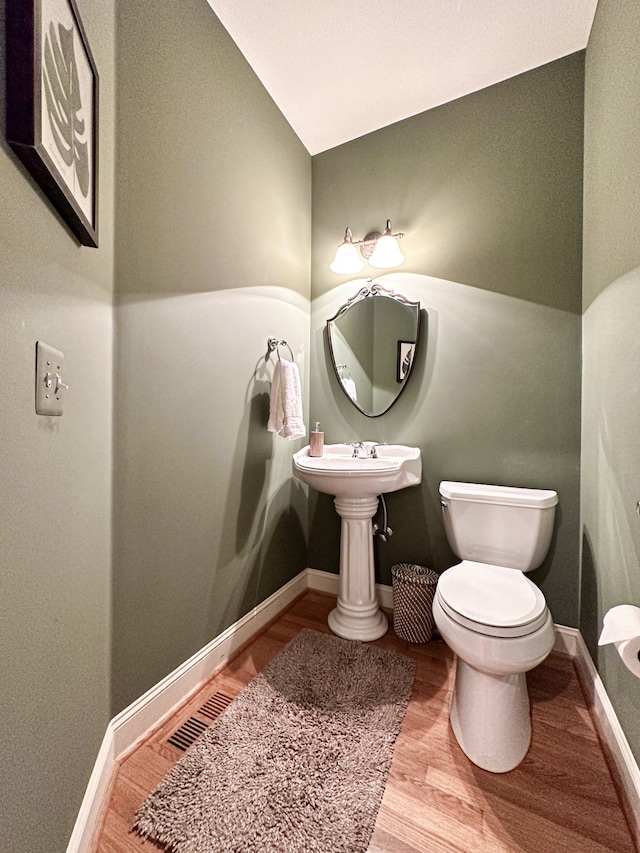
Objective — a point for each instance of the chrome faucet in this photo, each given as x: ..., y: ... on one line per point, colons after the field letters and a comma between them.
x: 366, y: 451
x: 373, y: 453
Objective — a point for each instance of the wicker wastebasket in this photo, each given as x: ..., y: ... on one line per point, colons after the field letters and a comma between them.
x: 413, y: 590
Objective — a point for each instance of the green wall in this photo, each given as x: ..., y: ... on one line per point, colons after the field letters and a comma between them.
x: 611, y: 391
x: 489, y: 191
x: 213, y: 239
x: 210, y: 256
x: 55, y: 499
x: 214, y: 199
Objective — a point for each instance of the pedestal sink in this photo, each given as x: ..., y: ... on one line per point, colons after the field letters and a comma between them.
x: 356, y: 483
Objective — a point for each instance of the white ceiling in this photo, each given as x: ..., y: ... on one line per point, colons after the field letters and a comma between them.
x: 339, y: 69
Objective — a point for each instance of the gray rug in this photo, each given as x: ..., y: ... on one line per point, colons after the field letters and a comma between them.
x: 297, y: 763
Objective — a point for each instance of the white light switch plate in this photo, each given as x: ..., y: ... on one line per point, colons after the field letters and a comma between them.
x: 49, y: 385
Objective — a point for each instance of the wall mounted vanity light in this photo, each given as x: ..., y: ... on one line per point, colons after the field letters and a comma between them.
x: 381, y: 250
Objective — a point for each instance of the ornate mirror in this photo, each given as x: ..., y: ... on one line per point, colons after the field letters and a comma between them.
x: 372, y: 341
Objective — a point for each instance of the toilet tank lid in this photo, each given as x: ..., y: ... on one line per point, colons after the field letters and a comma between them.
x: 503, y: 495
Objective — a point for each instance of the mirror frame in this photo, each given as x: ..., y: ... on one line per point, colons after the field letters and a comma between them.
x: 373, y: 289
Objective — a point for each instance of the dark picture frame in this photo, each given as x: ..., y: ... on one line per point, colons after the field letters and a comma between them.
x: 52, y: 107
x: 406, y: 352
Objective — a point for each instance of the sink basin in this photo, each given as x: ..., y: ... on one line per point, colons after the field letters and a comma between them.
x: 356, y: 484
x: 338, y: 473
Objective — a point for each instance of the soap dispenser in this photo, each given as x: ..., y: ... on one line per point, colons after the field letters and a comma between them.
x: 316, y: 446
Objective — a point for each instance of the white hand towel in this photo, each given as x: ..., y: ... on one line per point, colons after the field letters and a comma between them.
x: 275, y: 405
x: 285, y: 413
x: 350, y: 387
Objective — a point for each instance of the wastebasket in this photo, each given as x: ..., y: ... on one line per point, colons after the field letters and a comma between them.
x: 413, y: 590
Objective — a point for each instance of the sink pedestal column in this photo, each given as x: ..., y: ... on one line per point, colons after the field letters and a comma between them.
x: 357, y: 615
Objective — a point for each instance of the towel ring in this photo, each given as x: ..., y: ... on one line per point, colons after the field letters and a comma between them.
x: 275, y: 344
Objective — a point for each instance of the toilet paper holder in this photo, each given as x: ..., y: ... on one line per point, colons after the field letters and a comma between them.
x: 621, y: 627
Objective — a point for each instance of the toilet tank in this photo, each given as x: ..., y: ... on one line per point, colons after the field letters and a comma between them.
x: 501, y: 525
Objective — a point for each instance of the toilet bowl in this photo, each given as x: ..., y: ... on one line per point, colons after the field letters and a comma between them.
x: 492, y: 616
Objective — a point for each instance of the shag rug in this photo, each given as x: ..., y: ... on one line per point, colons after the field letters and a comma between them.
x: 297, y: 762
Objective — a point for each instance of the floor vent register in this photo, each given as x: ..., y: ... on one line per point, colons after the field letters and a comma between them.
x: 191, y: 730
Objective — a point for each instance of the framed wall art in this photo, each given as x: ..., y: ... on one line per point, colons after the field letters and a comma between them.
x: 52, y: 107
x: 405, y: 358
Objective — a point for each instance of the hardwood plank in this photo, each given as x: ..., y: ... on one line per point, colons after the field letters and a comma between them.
x: 561, y: 798
x: 416, y: 811
x: 384, y: 842
x: 509, y: 828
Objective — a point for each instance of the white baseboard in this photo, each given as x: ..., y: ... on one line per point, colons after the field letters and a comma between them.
x: 566, y: 640
x: 158, y: 703
x: 128, y: 727
x: 624, y: 767
x: 95, y: 796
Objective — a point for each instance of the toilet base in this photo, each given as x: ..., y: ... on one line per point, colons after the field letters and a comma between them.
x: 491, y: 717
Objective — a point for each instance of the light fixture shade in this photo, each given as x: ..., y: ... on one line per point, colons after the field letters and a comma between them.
x: 387, y: 252
x: 347, y: 260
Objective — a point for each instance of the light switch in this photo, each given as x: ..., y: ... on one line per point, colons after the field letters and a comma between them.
x: 49, y: 385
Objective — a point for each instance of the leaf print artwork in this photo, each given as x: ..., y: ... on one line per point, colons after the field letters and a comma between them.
x: 64, y: 102
x: 406, y: 363
x: 52, y: 117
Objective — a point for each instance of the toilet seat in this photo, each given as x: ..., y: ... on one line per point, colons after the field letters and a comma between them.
x: 492, y: 600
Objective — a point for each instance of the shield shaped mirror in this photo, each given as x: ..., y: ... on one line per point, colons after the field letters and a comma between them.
x: 372, y: 343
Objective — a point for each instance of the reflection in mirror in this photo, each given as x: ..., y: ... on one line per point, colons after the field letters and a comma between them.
x: 372, y: 341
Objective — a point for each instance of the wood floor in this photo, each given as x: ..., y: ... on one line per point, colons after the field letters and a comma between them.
x: 560, y: 800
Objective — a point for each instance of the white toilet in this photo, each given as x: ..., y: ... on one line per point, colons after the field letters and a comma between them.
x: 492, y: 616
